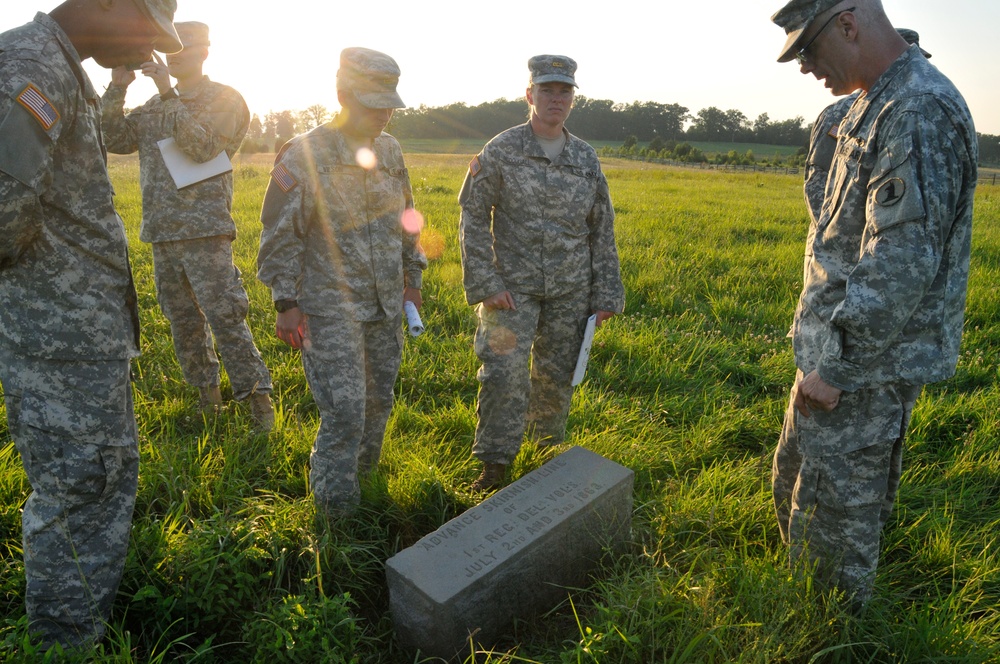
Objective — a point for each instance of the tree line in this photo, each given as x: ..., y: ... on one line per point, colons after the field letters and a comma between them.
x: 592, y: 120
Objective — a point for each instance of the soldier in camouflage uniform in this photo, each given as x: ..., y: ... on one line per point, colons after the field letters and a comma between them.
x: 883, y: 301
x: 340, y: 264
x: 192, y: 229
x: 538, y: 257
x: 68, y: 318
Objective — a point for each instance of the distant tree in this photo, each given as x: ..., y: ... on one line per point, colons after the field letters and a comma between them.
x: 788, y: 132
x: 630, y: 141
x: 989, y: 149
x: 736, y: 123
x: 314, y: 116
x: 761, y: 123
x: 256, y: 129
x: 270, y: 126
x: 648, y: 119
x: 252, y: 142
x: 761, y: 128
x: 710, y: 124
x: 279, y: 126
x: 597, y: 120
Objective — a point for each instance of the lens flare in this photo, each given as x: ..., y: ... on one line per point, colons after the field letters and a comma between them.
x: 366, y: 159
x: 412, y: 221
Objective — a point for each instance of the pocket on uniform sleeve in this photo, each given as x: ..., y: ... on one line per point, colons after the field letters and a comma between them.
x: 894, y: 194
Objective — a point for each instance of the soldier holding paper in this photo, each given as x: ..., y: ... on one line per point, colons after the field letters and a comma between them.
x: 192, y: 229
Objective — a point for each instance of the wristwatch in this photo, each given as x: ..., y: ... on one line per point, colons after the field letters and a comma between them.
x: 281, y: 306
x: 170, y: 94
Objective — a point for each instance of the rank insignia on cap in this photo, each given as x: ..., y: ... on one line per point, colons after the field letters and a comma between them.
x: 283, y: 178
x: 475, y: 166
x: 890, y: 192
x: 39, y: 106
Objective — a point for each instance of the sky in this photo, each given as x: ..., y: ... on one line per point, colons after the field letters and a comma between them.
x: 284, y: 55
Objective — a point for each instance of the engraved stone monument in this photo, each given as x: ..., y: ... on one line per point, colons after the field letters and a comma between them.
x: 512, y: 556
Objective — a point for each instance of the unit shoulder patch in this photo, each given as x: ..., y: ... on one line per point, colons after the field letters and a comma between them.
x: 890, y: 192
x: 475, y: 167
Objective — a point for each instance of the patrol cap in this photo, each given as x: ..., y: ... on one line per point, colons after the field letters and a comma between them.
x: 372, y: 77
x: 795, y: 17
x: 912, y: 37
x: 161, y: 14
x: 552, y: 68
x: 193, y: 33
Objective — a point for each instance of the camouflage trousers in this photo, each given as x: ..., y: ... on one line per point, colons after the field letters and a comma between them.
x: 528, y: 356
x: 351, y: 367
x: 834, y: 479
x: 74, y: 427
x: 201, y: 293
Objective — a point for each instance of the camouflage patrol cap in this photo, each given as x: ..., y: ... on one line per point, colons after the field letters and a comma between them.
x: 372, y: 77
x: 795, y: 17
x: 161, y: 14
x: 552, y: 68
x: 912, y: 37
x: 193, y: 33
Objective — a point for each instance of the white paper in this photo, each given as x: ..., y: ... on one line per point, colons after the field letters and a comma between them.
x: 186, y: 171
x: 413, y: 319
x: 588, y: 341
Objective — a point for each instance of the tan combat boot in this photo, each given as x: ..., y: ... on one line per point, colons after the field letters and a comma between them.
x: 491, y: 478
x: 209, y: 399
x: 261, y: 411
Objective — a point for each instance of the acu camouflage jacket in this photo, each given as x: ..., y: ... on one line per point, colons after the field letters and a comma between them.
x: 538, y: 227
x: 884, y: 294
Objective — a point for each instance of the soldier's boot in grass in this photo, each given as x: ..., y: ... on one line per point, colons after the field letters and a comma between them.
x: 209, y: 399
x: 491, y: 478
x: 261, y: 411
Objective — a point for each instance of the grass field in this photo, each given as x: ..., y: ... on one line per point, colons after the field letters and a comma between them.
x: 228, y: 562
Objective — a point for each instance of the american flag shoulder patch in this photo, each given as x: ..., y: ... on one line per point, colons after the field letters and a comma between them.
x: 475, y: 166
x: 39, y: 106
x: 283, y: 178
x: 834, y: 131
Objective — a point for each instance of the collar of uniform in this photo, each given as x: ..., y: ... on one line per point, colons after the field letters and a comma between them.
x: 196, y: 89
x: 532, y: 148
x: 72, y: 56
x: 887, y: 78
x: 344, y: 154
x: 855, y: 117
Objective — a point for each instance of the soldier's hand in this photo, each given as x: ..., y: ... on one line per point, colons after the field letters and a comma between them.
x: 502, y: 300
x: 413, y: 295
x: 158, y: 71
x: 814, y: 393
x: 122, y: 76
x: 291, y: 328
x: 602, y: 316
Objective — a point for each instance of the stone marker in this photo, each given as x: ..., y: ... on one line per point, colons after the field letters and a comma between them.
x: 512, y: 556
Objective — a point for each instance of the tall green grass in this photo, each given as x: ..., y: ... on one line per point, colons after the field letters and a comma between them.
x: 230, y: 563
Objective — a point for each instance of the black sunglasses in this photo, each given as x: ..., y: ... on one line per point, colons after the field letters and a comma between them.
x: 800, y: 57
